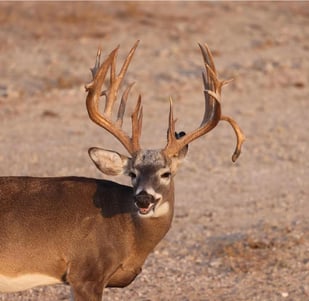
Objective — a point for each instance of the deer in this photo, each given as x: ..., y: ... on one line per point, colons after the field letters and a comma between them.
x: 93, y: 233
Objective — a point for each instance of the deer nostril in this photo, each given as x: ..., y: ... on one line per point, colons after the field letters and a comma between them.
x: 143, y: 199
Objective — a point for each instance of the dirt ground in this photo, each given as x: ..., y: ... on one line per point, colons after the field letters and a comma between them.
x: 240, y: 231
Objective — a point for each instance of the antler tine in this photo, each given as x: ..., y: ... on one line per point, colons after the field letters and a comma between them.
x: 137, y: 119
x: 212, y: 114
x: 96, y: 66
x: 171, y: 130
x: 115, y: 81
x: 122, y: 106
x: 94, y: 87
x: 99, y: 73
x: 239, y: 136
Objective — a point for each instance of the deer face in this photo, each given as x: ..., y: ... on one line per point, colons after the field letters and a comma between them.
x: 151, y: 173
x: 151, y: 176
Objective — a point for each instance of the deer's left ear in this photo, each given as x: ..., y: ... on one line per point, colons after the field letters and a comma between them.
x: 109, y: 162
x: 178, y: 159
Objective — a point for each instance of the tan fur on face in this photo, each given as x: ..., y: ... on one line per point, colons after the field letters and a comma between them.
x: 153, y: 158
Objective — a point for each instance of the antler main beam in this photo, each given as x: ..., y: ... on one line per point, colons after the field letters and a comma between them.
x: 212, y: 114
x: 94, y: 89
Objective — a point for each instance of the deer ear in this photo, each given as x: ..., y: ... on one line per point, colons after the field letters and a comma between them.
x: 183, y: 152
x: 178, y: 159
x: 109, y: 162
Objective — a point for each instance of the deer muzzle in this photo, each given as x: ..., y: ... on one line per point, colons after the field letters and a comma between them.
x: 145, y: 202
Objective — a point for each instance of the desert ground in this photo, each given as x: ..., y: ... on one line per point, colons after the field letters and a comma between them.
x: 240, y: 230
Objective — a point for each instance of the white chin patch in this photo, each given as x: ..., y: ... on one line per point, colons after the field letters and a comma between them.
x: 161, y: 209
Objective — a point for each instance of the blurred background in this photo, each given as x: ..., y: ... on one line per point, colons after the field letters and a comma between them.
x: 241, y: 231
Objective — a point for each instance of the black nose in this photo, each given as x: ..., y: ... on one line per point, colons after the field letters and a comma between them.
x: 143, y: 199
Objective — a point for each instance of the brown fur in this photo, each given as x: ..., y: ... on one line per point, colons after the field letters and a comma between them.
x: 83, y: 231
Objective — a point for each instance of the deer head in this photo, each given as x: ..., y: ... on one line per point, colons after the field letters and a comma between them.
x: 151, y: 171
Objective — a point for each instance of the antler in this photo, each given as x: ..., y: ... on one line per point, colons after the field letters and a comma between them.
x: 99, y: 72
x: 212, y: 114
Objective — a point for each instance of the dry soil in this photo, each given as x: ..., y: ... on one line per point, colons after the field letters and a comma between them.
x: 241, y: 231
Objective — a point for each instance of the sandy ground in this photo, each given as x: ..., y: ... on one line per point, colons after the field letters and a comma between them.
x: 241, y: 231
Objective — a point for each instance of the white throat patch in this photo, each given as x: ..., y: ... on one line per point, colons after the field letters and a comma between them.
x: 161, y: 209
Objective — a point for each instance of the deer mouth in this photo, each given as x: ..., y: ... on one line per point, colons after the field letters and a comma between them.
x: 145, y: 203
x: 146, y: 210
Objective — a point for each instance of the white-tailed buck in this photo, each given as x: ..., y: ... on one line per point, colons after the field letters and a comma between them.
x: 92, y: 233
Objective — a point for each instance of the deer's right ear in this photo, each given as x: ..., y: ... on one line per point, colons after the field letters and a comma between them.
x: 109, y: 162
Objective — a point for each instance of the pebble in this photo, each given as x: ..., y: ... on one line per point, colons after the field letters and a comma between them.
x: 284, y: 294
x: 3, y: 91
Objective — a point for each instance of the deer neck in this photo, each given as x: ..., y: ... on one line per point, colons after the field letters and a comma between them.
x: 151, y: 230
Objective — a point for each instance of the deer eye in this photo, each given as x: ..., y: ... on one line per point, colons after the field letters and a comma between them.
x: 132, y: 175
x: 166, y: 175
